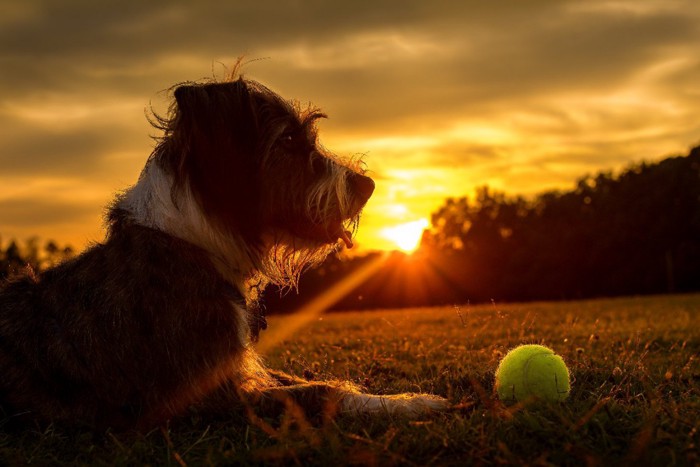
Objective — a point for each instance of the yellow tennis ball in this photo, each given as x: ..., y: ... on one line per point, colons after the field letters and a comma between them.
x: 532, y: 372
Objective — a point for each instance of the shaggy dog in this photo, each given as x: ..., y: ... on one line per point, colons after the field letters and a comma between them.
x: 162, y: 316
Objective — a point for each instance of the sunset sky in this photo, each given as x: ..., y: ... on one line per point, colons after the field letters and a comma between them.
x: 440, y: 97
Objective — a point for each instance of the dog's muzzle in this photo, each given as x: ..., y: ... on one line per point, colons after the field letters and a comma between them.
x: 362, y: 187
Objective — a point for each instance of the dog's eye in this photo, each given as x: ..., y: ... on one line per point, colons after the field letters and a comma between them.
x: 287, y: 140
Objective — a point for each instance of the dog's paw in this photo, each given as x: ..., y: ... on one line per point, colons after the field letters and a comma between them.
x: 410, y: 405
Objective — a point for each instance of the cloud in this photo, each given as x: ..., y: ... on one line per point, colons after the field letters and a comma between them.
x: 31, y: 211
x: 517, y: 94
x: 49, y: 144
x: 372, y: 61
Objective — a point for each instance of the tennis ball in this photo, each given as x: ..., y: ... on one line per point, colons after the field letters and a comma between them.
x: 532, y: 372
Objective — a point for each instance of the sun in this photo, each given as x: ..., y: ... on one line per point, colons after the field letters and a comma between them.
x: 406, y: 236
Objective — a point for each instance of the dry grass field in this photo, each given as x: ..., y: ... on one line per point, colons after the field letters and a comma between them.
x: 635, y: 364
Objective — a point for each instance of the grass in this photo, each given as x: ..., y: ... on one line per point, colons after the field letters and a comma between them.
x: 635, y: 394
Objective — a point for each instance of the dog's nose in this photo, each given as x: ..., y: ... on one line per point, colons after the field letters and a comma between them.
x: 362, y: 186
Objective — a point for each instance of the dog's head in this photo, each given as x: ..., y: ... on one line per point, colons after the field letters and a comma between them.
x: 252, y: 162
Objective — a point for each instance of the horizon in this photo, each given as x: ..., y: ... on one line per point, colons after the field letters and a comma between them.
x: 524, y: 98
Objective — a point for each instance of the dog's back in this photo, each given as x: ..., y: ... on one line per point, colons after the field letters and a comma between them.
x: 136, y: 328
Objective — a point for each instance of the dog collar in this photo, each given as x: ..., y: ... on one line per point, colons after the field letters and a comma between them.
x: 256, y: 320
x: 256, y: 313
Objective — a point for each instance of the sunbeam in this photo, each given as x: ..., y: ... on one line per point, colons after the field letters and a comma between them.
x: 298, y: 319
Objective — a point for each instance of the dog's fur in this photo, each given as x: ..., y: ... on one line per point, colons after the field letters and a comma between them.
x: 162, y: 316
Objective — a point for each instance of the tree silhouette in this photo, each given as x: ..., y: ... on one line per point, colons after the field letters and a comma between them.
x: 635, y: 233
x: 15, y: 259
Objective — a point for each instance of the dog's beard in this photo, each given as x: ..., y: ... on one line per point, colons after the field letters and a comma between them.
x: 327, y: 231
x: 308, y: 240
x: 290, y: 255
x: 303, y: 245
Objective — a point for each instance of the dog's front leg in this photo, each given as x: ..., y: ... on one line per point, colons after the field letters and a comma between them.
x: 408, y: 405
x: 285, y: 379
x: 317, y: 398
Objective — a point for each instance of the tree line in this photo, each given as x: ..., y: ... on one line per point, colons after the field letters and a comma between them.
x: 31, y: 255
x: 637, y: 232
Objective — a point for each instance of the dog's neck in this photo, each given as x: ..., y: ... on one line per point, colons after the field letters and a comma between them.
x: 151, y: 202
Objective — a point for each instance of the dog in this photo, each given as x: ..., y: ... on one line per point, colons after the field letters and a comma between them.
x: 161, y: 318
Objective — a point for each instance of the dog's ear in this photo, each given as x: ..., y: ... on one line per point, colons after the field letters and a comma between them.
x: 217, y: 128
x: 192, y: 105
x: 186, y: 94
x: 191, y: 97
x: 212, y: 111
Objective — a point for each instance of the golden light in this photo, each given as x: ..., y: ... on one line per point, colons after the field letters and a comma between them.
x: 310, y: 311
x: 406, y: 236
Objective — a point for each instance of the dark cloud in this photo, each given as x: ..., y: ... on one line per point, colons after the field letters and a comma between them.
x: 75, y: 150
x: 482, y: 53
x: 576, y: 52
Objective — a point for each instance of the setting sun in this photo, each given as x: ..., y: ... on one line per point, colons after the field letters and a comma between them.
x: 406, y: 236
